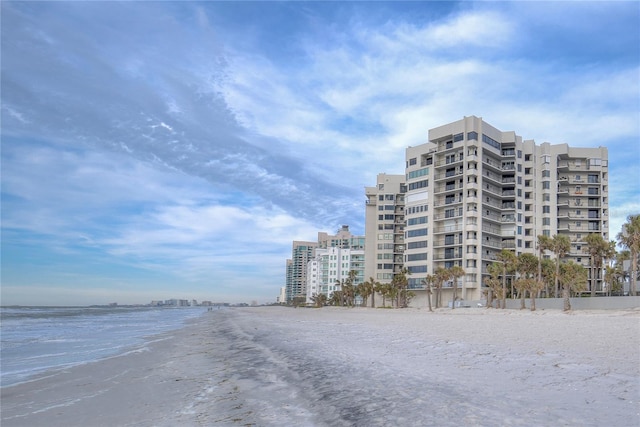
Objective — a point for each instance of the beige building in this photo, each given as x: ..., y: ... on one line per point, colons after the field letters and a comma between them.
x: 384, y: 227
x: 473, y: 190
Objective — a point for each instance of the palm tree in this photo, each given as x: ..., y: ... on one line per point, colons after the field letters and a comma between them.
x: 573, y: 278
x: 427, y: 282
x: 613, y: 277
x: 336, y: 298
x: 319, y: 299
x: 381, y: 289
x: 495, y: 288
x: 544, y: 244
x: 360, y: 290
x: 629, y: 238
x: 560, y: 246
x: 548, y: 274
x: 455, y: 272
x: 368, y: 288
x: 599, y: 250
x: 441, y: 275
x: 509, y: 264
x: 527, y: 267
x: 400, y: 282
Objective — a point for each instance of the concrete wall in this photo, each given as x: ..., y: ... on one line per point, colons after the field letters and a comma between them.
x: 586, y: 303
x: 596, y: 303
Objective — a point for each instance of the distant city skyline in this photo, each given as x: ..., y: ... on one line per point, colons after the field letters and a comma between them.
x: 178, y: 148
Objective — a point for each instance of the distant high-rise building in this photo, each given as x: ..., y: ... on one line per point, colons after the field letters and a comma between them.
x: 315, y: 267
x: 336, y: 256
x: 473, y: 190
x: 301, y: 253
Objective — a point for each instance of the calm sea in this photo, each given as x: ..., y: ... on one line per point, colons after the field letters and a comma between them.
x: 37, y: 339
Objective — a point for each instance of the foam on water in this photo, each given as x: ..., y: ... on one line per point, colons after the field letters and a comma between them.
x: 37, y: 339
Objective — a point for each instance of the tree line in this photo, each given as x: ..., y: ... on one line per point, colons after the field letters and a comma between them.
x: 529, y: 275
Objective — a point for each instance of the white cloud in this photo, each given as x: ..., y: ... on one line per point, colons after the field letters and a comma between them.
x: 227, y: 153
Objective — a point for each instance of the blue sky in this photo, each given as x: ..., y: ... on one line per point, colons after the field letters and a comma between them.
x: 175, y: 149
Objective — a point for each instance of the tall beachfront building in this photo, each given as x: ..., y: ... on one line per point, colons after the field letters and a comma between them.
x: 296, y: 279
x: 473, y: 190
x: 315, y: 267
x: 335, y: 256
x: 384, y: 227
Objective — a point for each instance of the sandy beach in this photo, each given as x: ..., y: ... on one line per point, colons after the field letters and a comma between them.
x: 275, y: 366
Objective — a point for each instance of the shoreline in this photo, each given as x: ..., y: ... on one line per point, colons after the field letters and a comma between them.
x: 338, y: 366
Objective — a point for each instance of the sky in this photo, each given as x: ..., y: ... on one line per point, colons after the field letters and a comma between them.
x: 156, y: 150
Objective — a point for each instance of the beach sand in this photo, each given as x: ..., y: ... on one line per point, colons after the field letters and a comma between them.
x: 276, y: 366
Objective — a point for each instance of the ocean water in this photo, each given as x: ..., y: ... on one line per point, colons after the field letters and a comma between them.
x: 34, y: 340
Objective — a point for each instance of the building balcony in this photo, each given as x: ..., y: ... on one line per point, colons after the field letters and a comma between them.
x: 447, y: 162
x: 508, y: 233
x: 491, y: 217
x: 492, y: 164
x: 448, y: 175
x: 446, y: 188
x: 491, y: 229
x: 448, y: 242
x: 442, y: 257
x: 448, y: 228
x: 441, y: 216
x: 508, y: 244
x: 448, y: 201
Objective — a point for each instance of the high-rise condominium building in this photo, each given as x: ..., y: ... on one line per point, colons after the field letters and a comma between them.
x: 335, y: 257
x: 473, y: 190
x: 301, y: 253
x: 316, y: 267
x: 384, y: 227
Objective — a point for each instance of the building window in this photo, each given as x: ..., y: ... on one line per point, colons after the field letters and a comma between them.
x: 492, y: 142
x: 546, y: 185
x: 413, y: 161
x: 546, y: 174
x: 416, y: 233
x: 546, y: 159
x: 546, y: 209
x: 472, y: 136
x: 546, y: 221
x: 418, y: 184
x: 527, y: 157
x: 417, y: 257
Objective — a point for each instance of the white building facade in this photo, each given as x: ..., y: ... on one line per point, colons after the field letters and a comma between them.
x: 331, y: 267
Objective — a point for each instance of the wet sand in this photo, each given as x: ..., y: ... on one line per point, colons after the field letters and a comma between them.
x: 274, y: 366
